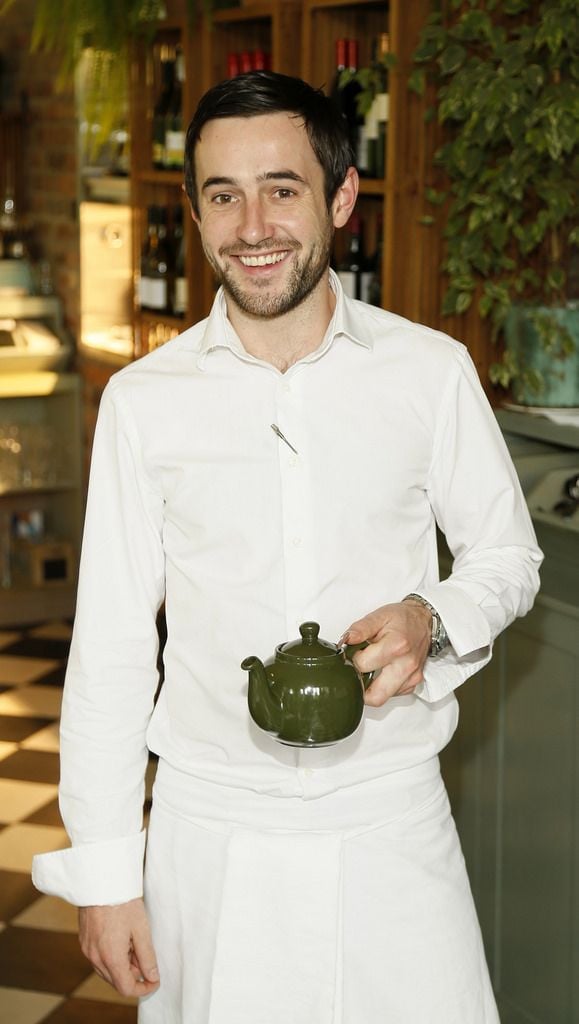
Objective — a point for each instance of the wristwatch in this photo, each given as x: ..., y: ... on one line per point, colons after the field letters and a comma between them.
x: 438, y: 637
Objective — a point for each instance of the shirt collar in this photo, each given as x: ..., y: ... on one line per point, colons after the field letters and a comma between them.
x: 218, y: 332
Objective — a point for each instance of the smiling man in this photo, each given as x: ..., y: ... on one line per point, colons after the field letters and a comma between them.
x: 287, y: 459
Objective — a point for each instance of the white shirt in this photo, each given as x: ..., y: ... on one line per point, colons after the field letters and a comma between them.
x: 195, y: 501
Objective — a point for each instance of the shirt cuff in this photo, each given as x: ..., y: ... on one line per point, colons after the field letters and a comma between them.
x: 470, y: 639
x: 446, y: 672
x: 466, y: 625
x: 93, y: 874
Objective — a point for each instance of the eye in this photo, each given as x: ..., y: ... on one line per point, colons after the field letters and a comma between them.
x: 222, y: 199
x: 284, y: 193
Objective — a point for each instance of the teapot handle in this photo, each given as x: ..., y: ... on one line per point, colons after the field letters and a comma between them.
x: 349, y: 651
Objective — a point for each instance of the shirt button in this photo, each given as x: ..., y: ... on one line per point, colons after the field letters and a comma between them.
x: 293, y: 460
x: 286, y: 387
x: 297, y: 542
x: 308, y: 772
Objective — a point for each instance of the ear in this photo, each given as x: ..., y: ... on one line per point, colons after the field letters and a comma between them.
x: 345, y: 198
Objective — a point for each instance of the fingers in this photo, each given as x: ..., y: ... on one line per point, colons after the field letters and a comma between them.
x: 392, y: 681
x: 143, y: 959
x: 117, y: 942
x: 399, y: 640
x: 365, y: 628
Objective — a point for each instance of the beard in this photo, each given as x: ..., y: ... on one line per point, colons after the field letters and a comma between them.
x: 305, y: 274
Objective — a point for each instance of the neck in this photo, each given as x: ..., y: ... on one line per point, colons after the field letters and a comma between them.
x: 285, y: 339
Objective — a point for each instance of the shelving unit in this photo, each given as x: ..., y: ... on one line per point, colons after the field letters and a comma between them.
x: 45, y: 587
x: 162, y: 187
x: 300, y: 37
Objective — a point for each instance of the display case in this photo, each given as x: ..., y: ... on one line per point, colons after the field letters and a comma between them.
x: 40, y: 495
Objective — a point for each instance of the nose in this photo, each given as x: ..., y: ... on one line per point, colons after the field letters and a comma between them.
x: 254, y: 225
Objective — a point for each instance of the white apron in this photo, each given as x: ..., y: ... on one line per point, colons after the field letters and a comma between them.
x: 357, y: 911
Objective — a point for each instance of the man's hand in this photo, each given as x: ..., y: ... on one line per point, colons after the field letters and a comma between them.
x: 117, y: 941
x: 399, y: 638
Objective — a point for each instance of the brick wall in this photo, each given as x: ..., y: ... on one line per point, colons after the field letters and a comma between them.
x: 47, y: 175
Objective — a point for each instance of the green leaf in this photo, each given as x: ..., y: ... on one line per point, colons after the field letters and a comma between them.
x: 516, y: 6
x: 555, y: 279
x: 499, y: 375
x: 484, y: 305
x: 417, y: 81
x: 534, y: 381
x: 435, y: 196
x: 449, y: 302
x: 475, y: 25
x: 452, y: 58
x: 464, y: 300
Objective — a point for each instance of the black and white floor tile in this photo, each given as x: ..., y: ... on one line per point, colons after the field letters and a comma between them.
x: 43, y: 974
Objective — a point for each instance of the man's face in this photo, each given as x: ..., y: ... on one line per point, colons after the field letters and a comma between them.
x: 264, y: 222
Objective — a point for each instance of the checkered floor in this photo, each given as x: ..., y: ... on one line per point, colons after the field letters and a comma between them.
x: 43, y: 974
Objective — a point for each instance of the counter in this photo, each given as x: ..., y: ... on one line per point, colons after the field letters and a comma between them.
x: 512, y: 770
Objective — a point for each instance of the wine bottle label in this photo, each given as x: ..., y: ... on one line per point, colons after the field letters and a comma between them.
x: 180, y: 296
x: 382, y: 106
x: 158, y: 153
x: 349, y: 282
x: 362, y: 150
x: 174, y: 148
x: 366, y: 278
x: 144, y: 291
x: 155, y: 293
x: 371, y: 120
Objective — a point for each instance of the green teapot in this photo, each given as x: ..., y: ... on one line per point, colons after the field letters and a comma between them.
x: 309, y: 693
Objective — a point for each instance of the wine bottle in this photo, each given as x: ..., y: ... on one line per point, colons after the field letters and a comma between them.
x: 161, y: 108
x: 179, y: 299
x: 381, y: 104
x: 336, y: 90
x: 245, y: 62
x: 259, y: 60
x: 370, y: 133
x: 346, y: 95
x: 352, y: 90
x: 153, y: 284
x: 374, y: 266
x: 12, y: 236
x: 232, y: 65
x: 174, y: 131
x: 350, y: 268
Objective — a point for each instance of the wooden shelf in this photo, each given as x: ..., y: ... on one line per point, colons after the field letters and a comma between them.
x: 372, y: 187
x: 153, y: 177
x: 332, y: 4
x: 301, y: 35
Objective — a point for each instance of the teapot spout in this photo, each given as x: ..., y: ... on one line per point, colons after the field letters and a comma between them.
x: 263, y: 706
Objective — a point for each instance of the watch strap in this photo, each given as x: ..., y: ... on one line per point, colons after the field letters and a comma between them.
x: 438, y: 637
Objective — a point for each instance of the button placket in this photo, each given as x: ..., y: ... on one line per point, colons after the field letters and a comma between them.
x: 296, y: 503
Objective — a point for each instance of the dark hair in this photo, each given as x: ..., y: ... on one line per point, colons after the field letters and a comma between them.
x: 267, y: 92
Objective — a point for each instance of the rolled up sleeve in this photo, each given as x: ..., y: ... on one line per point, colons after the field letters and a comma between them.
x: 93, y: 874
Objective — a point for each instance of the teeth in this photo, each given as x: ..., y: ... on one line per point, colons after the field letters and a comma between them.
x: 262, y: 261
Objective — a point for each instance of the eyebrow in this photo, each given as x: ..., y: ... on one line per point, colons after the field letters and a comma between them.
x: 285, y: 175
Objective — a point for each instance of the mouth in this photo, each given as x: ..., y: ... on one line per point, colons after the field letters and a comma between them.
x: 263, y: 260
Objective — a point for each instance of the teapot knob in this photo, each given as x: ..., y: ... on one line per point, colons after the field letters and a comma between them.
x: 309, y: 631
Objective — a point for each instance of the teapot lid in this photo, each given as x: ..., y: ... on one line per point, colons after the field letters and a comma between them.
x: 309, y: 647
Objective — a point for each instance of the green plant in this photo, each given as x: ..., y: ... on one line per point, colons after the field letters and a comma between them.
x: 505, y: 76
x: 96, y: 34
x: 71, y: 26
